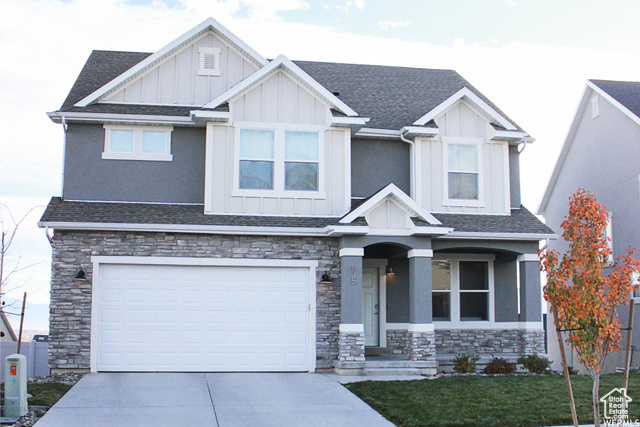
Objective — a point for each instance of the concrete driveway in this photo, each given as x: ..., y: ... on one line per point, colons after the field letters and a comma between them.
x: 203, y: 399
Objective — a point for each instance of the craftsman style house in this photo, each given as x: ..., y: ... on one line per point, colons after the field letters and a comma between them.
x: 599, y: 155
x: 232, y: 213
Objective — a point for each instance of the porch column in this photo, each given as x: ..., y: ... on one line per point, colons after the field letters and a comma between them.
x: 421, y: 334
x: 351, y: 337
x: 532, y: 340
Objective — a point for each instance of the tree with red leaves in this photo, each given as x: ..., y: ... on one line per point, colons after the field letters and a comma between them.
x: 586, y: 299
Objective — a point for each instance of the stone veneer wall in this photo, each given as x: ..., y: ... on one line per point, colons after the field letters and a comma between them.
x: 474, y: 341
x: 70, y: 308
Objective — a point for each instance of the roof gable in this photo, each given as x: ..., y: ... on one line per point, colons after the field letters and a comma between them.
x: 293, y: 71
x: 467, y: 95
x: 145, y: 64
x: 390, y: 193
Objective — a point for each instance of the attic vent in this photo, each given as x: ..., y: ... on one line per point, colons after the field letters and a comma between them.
x: 209, y: 61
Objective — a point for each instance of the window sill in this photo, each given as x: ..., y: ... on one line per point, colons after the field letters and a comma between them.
x: 138, y: 156
x: 464, y: 203
x: 279, y: 194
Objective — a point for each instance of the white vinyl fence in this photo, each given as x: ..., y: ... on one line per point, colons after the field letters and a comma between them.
x: 36, y: 353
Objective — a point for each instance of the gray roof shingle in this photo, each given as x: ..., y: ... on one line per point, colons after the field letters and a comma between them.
x: 626, y: 93
x: 59, y: 211
x: 392, y: 97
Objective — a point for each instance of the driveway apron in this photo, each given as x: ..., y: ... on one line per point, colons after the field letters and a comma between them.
x: 210, y: 399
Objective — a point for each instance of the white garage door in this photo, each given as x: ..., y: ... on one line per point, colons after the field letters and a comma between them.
x: 201, y: 318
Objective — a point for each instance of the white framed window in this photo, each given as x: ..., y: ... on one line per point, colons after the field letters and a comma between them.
x: 209, y: 61
x: 149, y: 143
x: 285, y: 160
x: 462, y: 288
x: 463, y: 171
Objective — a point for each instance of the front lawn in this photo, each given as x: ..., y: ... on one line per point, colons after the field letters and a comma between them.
x: 46, y: 394
x: 510, y: 400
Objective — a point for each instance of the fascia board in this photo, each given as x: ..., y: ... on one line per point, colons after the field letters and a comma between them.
x: 393, y: 190
x: 209, y: 23
x: 212, y: 115
x: 584, y: 100
x: 465, y: 93
x: 340, y: 230
x: 613, y: 101
x: 349, y: 121
x: 56, y: 117
x: 499, y: 236
x: 509, y: 135
x: 285, y: 63
x: 418, y: 130
x: 185, y: 228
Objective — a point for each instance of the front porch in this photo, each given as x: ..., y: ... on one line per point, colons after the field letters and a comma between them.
x: 410, y: 304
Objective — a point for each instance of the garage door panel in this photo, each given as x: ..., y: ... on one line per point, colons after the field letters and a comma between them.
x: 203, y: 318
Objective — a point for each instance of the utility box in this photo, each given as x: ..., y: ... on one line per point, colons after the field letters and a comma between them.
x: 15, y: 385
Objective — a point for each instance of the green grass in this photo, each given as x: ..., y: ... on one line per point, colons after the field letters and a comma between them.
x: 46, y: 394
x: 509, y: 400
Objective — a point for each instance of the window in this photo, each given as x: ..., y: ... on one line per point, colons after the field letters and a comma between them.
x: 462, y: 288
x: 282, y: 160
x: 209, y: 61
x: 441, y: 283
x: 463, y: 171
x: 137, y: 143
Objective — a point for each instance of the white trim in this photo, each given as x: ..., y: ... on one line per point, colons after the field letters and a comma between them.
x: 187, y: 228
x: 472, y: 325
x: 499, y: 236
x: 420, y: 253
x: 340, y: 230
x: 393, y: 191
x: 222, y: 116
x: 351, y: 252
x: 120, y: 118
x: 140, y: 260
x: 420, y: 327
x: 208, y: 24
x: 349, y: 121
x: 378, y: 133
x: 418, y: 130
x: 351, y: 328
x: 433, y: 230
x: 506, y: 135
x: 472, y: 97
x: 282, y: 62
x: 347, y: 170
x: 506, y: 171
x: 528, y: 258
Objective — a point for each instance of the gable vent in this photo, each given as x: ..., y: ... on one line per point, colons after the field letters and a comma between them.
x: 209, y: 61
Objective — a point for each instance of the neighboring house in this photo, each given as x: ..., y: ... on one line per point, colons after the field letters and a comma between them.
x: 600, y: 155
x: 237, y: 214
x: 6, y: 331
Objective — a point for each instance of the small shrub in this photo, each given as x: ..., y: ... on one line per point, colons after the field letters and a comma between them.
x: 465, y: 363
x: 572, y: 370
x: 534, y: 363
x: 498, y: 365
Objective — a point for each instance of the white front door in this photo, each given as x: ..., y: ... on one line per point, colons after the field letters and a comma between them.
x: 371, y: 306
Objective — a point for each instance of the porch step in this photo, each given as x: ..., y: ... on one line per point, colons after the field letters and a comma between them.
x: 392, y: 371
x: 397, y: 364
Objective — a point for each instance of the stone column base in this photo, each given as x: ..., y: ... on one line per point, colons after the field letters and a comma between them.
x: 422, y: 345
x: 351, y: 343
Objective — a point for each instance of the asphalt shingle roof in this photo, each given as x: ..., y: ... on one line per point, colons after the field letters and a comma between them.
x: 626, y: 93
x: 392, y: 97
x: 59, y: 211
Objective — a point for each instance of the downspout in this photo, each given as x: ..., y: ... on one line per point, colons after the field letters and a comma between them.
x: 525, y: 141
x: 49, y: 237
x: 412, y: 165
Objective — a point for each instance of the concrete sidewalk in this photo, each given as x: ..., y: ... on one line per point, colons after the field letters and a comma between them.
x: 216, y: 399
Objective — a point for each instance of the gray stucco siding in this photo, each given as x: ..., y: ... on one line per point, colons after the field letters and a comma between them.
x: 376, y: 163
x: 514, y: 176
x: 89, y: 177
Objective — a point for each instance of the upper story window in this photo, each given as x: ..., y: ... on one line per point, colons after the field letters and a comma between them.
x: 281, y: 160
x: 209, y: 61
x: 151, y: 143
x: 463, y: 171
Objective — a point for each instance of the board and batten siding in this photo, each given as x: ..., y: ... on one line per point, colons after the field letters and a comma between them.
x: 462, y: 122
x: 281, y: 102
x: 175, y: 81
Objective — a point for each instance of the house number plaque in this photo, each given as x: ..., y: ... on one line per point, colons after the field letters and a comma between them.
x: 353, y: 275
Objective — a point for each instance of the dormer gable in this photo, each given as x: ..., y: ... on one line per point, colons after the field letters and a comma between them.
x: 191, y: 70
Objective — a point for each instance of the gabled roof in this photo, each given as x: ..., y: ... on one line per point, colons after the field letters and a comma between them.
x: 282, y: 63
x: 8, y: 326
x: 625, y: 96
x: 390, y: 191
x: 209, y: 24
x: 466, y: 94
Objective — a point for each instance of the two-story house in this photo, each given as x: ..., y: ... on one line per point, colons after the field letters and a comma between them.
x: 599, y: 155
x: 232, y: 213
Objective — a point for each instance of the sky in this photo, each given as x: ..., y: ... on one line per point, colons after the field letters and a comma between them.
x: 530, y: 57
